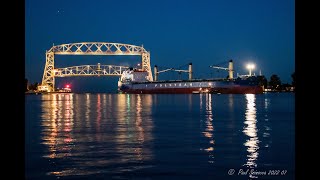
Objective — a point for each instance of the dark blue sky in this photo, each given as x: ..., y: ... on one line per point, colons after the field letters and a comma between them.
x: 204, y: 32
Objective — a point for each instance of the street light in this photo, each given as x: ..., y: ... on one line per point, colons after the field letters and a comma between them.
x: 250, y: 67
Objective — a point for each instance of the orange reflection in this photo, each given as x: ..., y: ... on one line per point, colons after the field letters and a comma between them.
x: 79, y: 127
x: 139, y: 127
x: 88, y: 110
x: 49, y: 121
x: 98, y: 113
x: 104, y: 105
x: 68, y: 117
x: 201, y: 102
x: 57, y: 122
x: 109, y: 104
x: 250, y: 130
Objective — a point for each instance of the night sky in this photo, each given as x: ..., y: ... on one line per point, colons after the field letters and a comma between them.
x: 176, y: 32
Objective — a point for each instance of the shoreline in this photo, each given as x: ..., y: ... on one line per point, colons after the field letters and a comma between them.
x: 39, y: 93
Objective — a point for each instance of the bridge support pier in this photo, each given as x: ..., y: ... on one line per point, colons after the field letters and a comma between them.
x: 48, y: 74
x: 146, y: 64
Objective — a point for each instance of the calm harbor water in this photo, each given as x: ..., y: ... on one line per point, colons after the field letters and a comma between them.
x: 191, y: 136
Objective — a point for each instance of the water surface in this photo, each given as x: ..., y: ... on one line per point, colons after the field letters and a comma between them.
x: 192, y: 136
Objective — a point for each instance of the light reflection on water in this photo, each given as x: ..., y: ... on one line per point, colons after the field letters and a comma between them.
x: 58, y: 124
x: 208, y: 129
x: 267, y: 128
x: 158, y: 136
x: 250, y: 129
x: 95, y: 135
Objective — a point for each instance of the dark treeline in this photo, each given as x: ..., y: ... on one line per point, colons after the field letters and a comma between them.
x: 30, y: 86
x: 274, y: 83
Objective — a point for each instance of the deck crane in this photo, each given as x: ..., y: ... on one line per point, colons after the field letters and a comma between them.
x: 229, y: 69
x: 157, y: 72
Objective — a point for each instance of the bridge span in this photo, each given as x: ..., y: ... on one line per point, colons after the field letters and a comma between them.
x: 90, y: 70
x: 90, y: 48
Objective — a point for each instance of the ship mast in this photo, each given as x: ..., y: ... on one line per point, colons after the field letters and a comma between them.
x: 229, y: 69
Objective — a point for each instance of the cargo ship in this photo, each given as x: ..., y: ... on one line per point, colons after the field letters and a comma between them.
x: 134, y: 81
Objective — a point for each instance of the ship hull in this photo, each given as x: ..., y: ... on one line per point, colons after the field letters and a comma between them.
x: 192, y: 87
x: 238, y: 90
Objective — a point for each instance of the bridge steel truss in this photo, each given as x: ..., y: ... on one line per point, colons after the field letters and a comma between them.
x: 91, y: 48
x: 90, y: 70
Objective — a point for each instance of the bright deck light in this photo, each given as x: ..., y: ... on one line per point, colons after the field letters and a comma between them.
x: 250, y: 67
